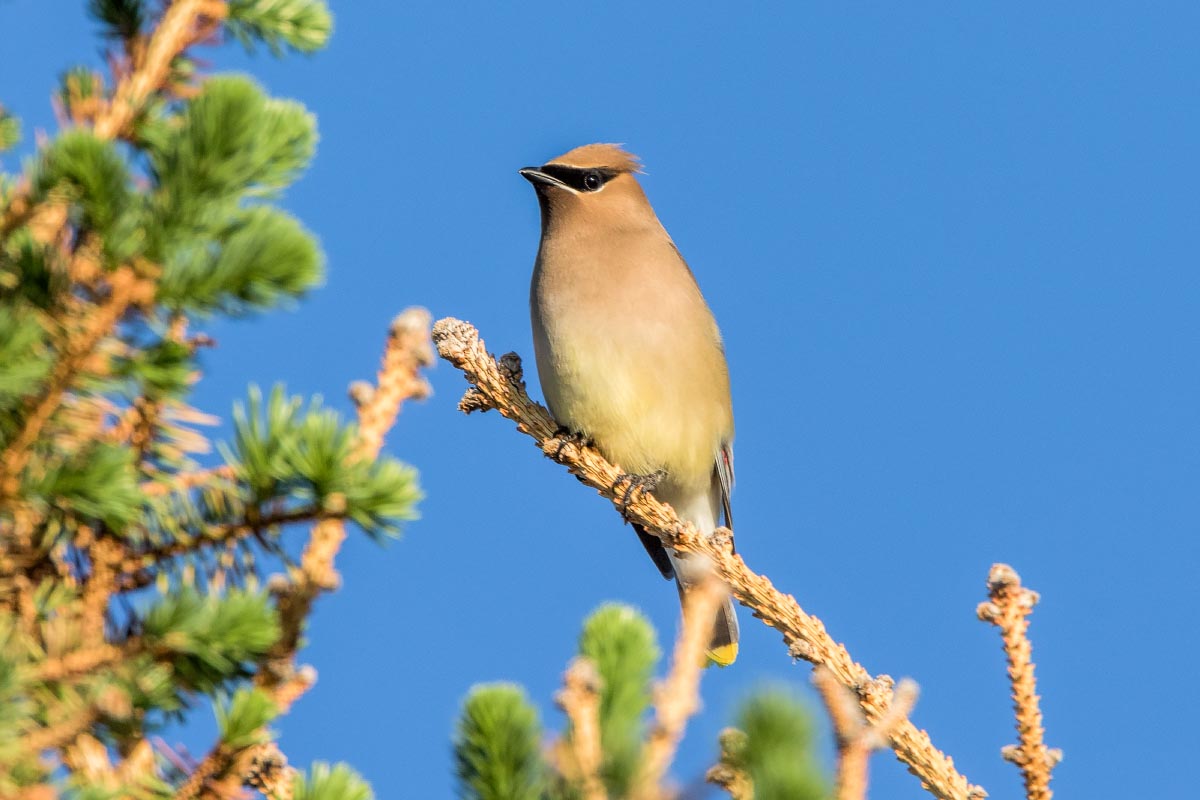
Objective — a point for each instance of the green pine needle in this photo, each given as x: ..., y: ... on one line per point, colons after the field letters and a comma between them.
x: 94, y: 177
x: 24, y: 358
x: 97, y: 483
x: 210, y: 639
x: 778, y: 748
x: 303, y: 25
x: 10, y: 130
x: 261, y: 258
x: 497, y: 746
x: 242, y: 719
x: 123, y: 19
x: 284, y: 448
x: 622, y: 644
x: 325, y: 782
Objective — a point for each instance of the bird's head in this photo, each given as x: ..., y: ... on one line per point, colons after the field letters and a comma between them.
x: 594, y: 182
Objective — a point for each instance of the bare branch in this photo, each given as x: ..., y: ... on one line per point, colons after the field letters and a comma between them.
x: 498, y: 385
x: 178, y: 29
x: 82, y: 662
x: 1009, y: 609
x: 407, y: 351
x: 855, y: 738
x: 580, y: 700
x: 677, y: 698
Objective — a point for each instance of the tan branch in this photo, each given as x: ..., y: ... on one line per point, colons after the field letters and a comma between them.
x: 580, y: 700
x: 407, y: 351
x: 56, y: 735
x: 499, y: 385
x: 1009, y: 609
x: 105, y: 554
x: 856, y: 738
x: 125, y: 288
x: 137, y: 563
x: 214, y: 765
x: 82, y: 662
x: 678, y: 697
x: 183, y: 481
x: 178, y: 29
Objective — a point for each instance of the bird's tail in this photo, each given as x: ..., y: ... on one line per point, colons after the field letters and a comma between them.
x: 723, y: 646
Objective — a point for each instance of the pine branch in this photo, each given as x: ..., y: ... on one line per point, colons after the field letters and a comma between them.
x: 1009, y: 609
x: 407, y: 351
x: 59, y: 733
x: 136, y: 568
x: 83, y: 662
x: 499, y: 385
x: 855, y: 738
x: 580, y: 700
x: 179, y: 28
x: 678, y: 697
x: 183, y: 481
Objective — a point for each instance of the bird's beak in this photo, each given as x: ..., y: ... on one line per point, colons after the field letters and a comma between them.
x: 535, y: 176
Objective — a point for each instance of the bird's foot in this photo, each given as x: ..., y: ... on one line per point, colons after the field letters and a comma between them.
x: 565, y: 437
x: 636, y: 483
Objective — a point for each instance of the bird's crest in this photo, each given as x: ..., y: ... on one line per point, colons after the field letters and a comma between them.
x: 611, y: 156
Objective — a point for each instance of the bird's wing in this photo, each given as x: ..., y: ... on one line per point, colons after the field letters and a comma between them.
x: 658, y: 553
x: 724, y: 470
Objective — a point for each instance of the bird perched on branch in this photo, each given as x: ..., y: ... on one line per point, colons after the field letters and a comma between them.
x: 628, y: 353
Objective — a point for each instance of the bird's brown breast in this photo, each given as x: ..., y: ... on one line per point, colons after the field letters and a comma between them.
x: 629, y: 354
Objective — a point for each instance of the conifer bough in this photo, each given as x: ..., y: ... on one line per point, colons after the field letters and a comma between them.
x: 130, y: 570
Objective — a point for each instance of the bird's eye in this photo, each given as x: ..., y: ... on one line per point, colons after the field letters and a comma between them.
x: 593, y: 181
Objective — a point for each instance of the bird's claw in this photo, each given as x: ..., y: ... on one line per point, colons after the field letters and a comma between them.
x: 567, y: 436
x: 636, y: 483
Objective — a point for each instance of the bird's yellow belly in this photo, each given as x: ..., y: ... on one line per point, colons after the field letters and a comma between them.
x: 641, y: 408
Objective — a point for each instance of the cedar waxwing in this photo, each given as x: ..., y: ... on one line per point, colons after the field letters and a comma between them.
x: 628, y: 353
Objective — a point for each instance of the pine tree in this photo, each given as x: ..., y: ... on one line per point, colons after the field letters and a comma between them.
x: 131, y: 574
x: 497, y: 746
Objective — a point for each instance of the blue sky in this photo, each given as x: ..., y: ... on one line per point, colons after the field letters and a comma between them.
x: 953, y: 250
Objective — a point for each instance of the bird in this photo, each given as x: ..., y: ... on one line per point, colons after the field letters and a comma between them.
x: 629, y: 355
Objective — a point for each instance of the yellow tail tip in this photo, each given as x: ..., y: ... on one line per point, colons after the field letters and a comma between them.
x: 724, y: 655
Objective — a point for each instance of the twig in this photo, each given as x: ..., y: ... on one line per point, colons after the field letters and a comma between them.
x: 181, y: 482
x: 136, y: 563
x: 678, y: 697
x: 855, y: 738
x: 580, y: 700
x: 1009, y: 610
x: 499, y: 385
x: 269, y: 772
x: 407, y: 351
x: 729, y: 772
x: 81, y: 662
x: 174, y: 33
